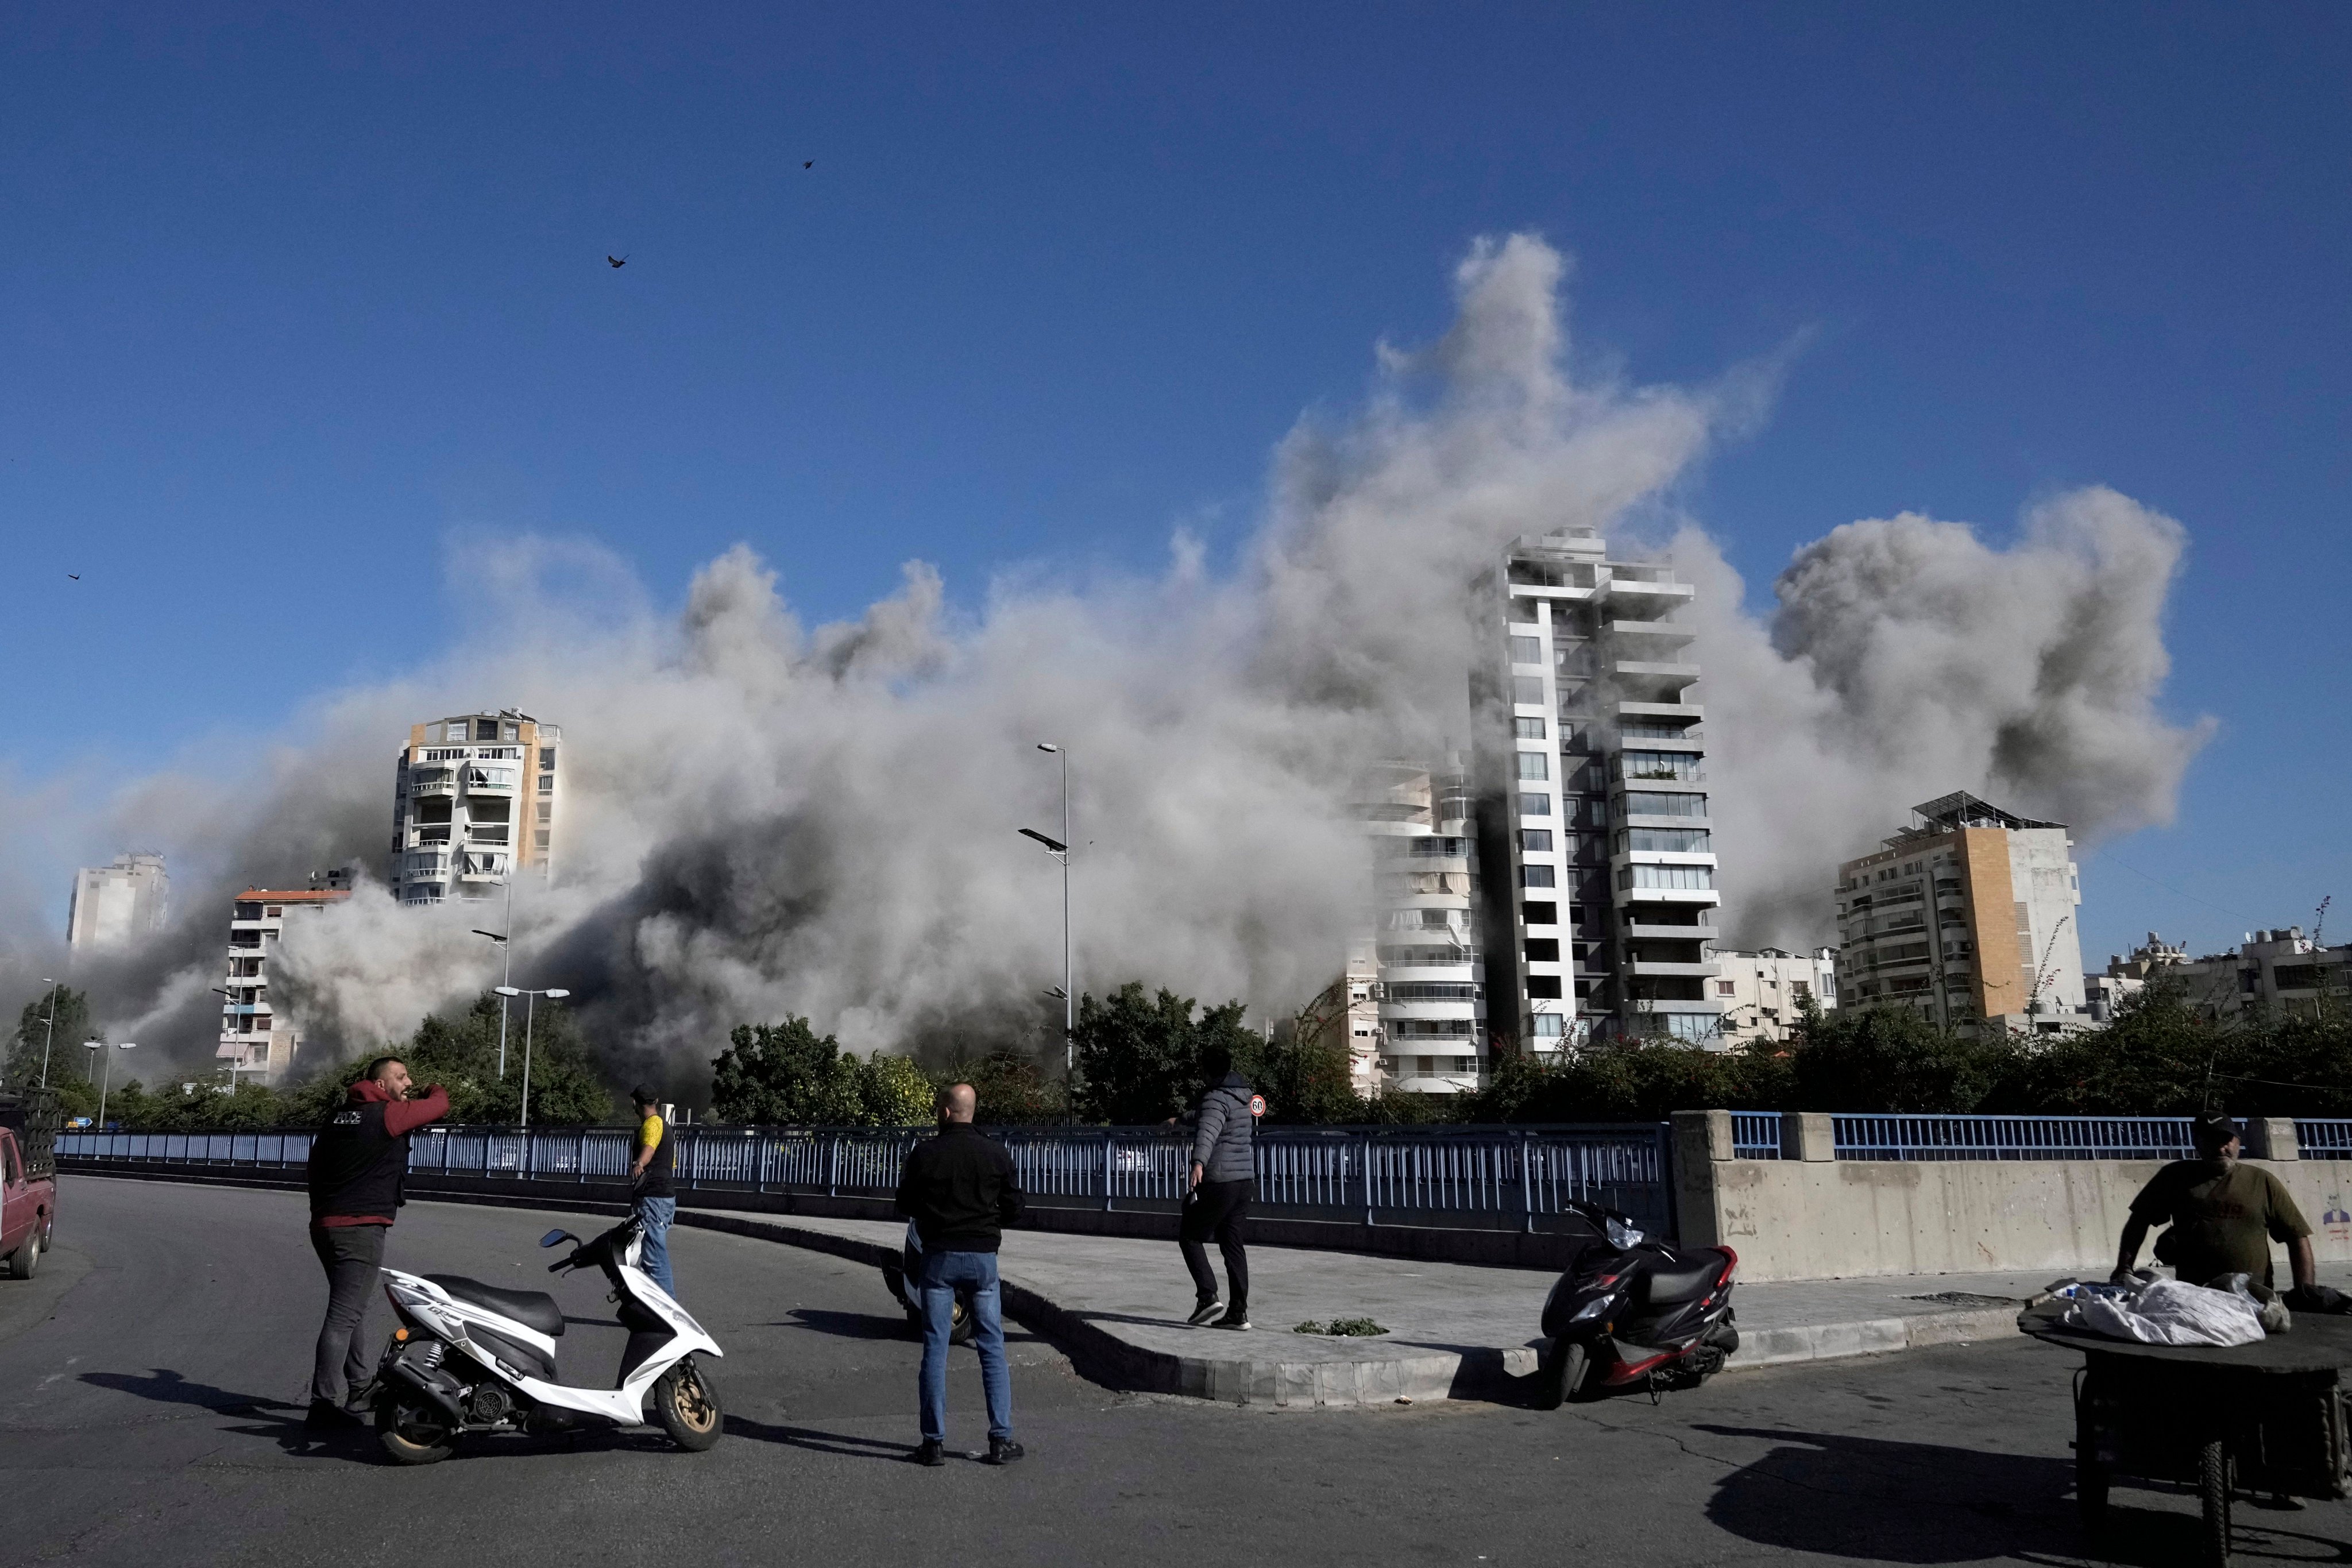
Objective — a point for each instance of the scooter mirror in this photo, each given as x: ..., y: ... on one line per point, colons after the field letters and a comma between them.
x: 552, y: 1236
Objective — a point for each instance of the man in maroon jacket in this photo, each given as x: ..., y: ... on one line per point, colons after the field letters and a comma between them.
x: 357, y: 1165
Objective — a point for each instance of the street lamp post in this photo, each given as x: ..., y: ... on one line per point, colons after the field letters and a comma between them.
x: 530, y: 1000
x: 108, y: 1081
x: 50, y: 1033
x: 233, y: 1060
x: 1061, y: 851
x: 504, y: 988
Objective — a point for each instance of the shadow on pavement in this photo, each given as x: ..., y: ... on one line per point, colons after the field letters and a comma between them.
x: 173, y: 1388
x: 1885, y: 1501
x: 841, y: 1443
x: 849, y: 1325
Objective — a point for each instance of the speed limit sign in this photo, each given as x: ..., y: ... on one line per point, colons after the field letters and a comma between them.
x: 1257, y: 1105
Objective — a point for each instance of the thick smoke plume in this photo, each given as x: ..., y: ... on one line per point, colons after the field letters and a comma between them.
x: 762, y: 817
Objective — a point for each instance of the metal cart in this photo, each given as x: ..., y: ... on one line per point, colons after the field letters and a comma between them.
x: 2259, y: 1419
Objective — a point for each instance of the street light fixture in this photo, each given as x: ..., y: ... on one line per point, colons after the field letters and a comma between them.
x: 50, y: 1033
x: 506, y: 987
x: 530, y: 1000
x: 99, y: 1047
x: 1060, y: 850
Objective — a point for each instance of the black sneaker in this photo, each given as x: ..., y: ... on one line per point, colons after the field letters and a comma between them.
x: 326, y: 1415
x: 1003, y: 1451
x: 1207, y: 1310
x: 930, y: 1453
x: 1232, y: 1321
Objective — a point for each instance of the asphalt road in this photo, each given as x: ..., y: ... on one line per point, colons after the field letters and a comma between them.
x: 152, y: 1383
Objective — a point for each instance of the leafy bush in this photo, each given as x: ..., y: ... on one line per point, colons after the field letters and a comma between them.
x: 787, y: 1074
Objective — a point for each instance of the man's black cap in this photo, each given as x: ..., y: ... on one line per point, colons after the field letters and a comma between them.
x: 645, y: 1096
x: 2212, y: 1129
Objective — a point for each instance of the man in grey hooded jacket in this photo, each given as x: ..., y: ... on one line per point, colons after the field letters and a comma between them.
x: 1223, y: 1180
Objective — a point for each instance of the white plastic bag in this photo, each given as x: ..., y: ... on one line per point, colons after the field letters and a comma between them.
x: 2167, y: 1313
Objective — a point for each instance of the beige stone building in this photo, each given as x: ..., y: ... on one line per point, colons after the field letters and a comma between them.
x: 475, y: 799
x: 255, y: 1036
x: 1967, y: 915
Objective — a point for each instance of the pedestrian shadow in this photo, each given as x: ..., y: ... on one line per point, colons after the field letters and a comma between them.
x: 170, y: 1387
x: 848, y: 1325
x: 841, y: 1444
x: 1881, y: 1500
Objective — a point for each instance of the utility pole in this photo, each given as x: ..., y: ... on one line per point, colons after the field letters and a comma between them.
x: 49, y: 1035
x: 505, y: 986
x: 1061, y: 851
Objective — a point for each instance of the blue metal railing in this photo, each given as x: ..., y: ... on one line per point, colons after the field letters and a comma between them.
x: 1755, y: 1134
x: 2327, y: 1134
x: 1860, y: 1137
x: 1483, y: 1177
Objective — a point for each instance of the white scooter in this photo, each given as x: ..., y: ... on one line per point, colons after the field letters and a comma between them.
x: 469, y: 1357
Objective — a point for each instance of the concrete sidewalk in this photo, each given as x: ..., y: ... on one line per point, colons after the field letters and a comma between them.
x: 1455, y: 1330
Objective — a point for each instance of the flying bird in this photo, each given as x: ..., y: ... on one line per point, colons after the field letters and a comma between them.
x: 810, y: 165
x: 75, y: 576
x: 617, y: 260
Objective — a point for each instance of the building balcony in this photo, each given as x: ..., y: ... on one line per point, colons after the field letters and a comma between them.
x: 1707, y: 896
x: 1638, y: 929
x: 1703, y: 971
x: 442, y: 784
x: 436, y: 834
x: 1690, y: 711
x: 488, y: 832
x: 1646, y: 600
x: 1650, y: 636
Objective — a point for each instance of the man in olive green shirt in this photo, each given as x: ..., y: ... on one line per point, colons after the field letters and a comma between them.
x: 2223, y: 1216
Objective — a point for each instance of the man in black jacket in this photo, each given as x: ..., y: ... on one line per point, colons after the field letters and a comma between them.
x: 962, y: 1191
x: 357, y: 1163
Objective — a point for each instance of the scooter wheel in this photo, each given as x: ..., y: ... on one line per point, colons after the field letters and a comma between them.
x: 686, y: 1407
x: 413, y: 1432
x: 1559, y: 1373
x: 960, y: 1322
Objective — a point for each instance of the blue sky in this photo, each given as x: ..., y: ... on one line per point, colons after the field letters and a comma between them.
x: 292, y: 299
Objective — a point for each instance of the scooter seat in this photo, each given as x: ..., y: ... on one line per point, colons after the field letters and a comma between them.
x: 533, y: 1309
x: 1673, y: 1283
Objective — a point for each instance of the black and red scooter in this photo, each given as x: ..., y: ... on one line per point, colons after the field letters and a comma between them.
x: 1630, y: 1314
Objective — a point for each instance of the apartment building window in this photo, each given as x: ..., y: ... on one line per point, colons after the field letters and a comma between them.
x: 547, y: 759
x: 1535, y: 804
x: 1543, y: 988
x: 1529, y: 729
x: 1665, y: 840
x: 1540, y: 911
x: 1679, y: 765
x: 1674, y: 879
x: 1527, y: 650
x: 539, y: 840
x: 1726, y: 989
x: 1537, y: 876
x: 510, y: 732
x: 1549, y: 1026
x: 1527, y: 690
x: 1652, y: 803
x: 1535, y: 840
x: 546, y: 811
x: 1534, y: 765
x: 547, y: 783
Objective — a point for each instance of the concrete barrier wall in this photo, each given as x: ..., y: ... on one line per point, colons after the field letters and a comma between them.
x: 1812, y: 1216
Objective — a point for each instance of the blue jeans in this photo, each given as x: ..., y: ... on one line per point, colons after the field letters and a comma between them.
x: 944, y: 1274
x: 656, y: 1214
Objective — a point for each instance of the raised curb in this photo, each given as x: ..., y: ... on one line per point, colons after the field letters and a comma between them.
x: 1873, y: 1336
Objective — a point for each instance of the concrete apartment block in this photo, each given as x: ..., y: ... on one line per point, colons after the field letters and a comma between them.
x: 1599, y: 867
x: 1416, y: 1006
x: 1764, y: 993
x: 474, y: 799
x: 255, y: 1037
x: 2280, y: 972
x: 1967, y: 915
x: 118, y: 903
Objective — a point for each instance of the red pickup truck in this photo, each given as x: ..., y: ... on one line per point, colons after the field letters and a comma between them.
x: 28, y: 1178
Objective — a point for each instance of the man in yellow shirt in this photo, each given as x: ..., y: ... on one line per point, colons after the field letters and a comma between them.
x: 652, y: 1199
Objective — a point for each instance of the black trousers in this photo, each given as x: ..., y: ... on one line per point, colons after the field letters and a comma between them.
x: 1214, y: 1212
x: 353, y: 1256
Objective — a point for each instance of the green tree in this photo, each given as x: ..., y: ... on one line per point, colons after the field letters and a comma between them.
x: 1015, y: 1089
x: 461, y: 1053
x: 63, y: 1044
x: 1138, y: 1057
x: 788, y: 1075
